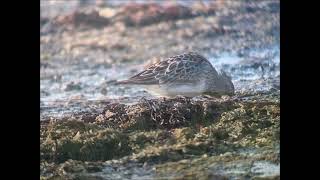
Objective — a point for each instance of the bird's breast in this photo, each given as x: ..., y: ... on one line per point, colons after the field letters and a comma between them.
x: 189, y: 90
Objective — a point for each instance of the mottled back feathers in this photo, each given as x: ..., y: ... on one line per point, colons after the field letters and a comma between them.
x: 177, y: 69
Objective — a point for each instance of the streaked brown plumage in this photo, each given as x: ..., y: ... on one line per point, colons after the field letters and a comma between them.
x: 188, y: 74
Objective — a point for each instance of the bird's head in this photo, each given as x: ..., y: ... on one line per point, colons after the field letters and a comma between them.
x: 220, y: 85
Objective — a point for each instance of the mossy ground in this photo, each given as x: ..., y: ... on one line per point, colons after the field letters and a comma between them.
x: 180, y: 136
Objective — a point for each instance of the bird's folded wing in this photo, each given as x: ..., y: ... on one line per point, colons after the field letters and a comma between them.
x: 168, y: 72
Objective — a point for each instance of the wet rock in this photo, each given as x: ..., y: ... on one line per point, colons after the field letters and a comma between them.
x: 71, y: 169
x: 72, y: 86
x: 44, y: 93
x: 72, y: 166
x: 79, y: 18
x: 176, y: 11
x: 145, y: 14
x: 216, y: 167
x: 50, y: 27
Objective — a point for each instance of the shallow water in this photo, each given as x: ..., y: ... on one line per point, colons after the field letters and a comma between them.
x: 69, y: 88
x: 257, y: 71
x: 129, y: 171
x: 232, y: 170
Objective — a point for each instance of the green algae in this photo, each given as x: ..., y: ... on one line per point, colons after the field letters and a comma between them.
x: 80, y: 141
x: 162, y: 114
x: 187, y: 148
x: 251, y: 124
x: 73, y: 169
x: 224, y: 166
x: 141, y: 140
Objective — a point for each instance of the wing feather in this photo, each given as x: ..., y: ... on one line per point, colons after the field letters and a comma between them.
x: 180, y: 69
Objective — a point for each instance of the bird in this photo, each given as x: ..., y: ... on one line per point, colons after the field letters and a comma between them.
x: 189, y: 74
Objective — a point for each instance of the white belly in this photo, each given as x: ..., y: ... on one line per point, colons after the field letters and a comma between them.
x: 171, y: 91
